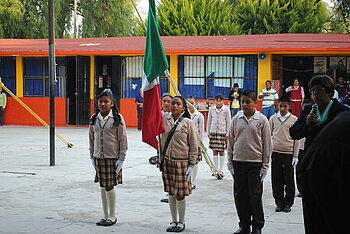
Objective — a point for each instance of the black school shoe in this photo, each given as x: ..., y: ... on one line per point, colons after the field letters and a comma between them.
x: 172, y: 227
x: 179, y: 228
x: 242, y: 231
x: 101, y: 222
x: 109, y: 222
x: 287, y: 209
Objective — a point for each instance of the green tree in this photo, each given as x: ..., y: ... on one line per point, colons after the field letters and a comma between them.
x: 107, y: 18
x: 281, y: 16
x: 341, y: 11
x: 11, y: 14
x: 196, y: 18
x: 29, y: 18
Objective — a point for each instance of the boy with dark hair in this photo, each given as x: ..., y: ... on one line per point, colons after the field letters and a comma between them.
x: 284, y: 156
x: 269, y: 97
x: 249, y: 150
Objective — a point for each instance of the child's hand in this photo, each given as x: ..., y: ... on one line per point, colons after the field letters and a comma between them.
x: 93, y: 162
x: 118, y: 165
x: 226, y: 138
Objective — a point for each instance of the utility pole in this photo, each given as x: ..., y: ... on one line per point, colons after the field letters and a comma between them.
x: 52, y: 73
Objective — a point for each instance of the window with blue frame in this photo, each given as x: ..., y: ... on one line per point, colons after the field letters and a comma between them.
x: 36, y: 83
x: 8, y: 73
x: 206, y: 76
x: 132, y: 73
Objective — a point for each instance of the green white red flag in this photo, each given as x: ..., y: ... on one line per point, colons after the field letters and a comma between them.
x: 155, y: 63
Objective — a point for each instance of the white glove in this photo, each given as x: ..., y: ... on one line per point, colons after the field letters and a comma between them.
x: 189, y: 173
x: 232, y: 171
x: 262, y: 175
x: 93, y: 162
x: 294, y: 161
x: 118, y: 165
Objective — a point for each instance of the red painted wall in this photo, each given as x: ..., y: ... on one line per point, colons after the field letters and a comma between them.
x: 15, y: 114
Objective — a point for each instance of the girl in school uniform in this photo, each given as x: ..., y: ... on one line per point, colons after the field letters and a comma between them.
x: 198, y: 120
x: 177, y: 159
x: 108, y: 146
x: 218, y: 125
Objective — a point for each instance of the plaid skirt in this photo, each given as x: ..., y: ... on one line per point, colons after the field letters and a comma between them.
x: 106, y: 174
x: 217, y: 142
x: 175, y: 179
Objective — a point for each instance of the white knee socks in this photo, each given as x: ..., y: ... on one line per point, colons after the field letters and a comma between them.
x: 181, y: 206
x: 104, y: 203
x: 216, y: 160
x: 108, y: 204
x: 173, y: 208
x: 177, y: 208
x: 222, y: 161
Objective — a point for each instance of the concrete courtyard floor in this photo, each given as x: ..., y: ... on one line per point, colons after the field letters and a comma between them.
x: 38, y: 198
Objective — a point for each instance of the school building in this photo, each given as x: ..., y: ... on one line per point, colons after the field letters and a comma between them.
x: 201, y: 66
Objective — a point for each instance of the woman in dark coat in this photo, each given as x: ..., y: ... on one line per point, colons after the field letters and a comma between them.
x: 325, y: 174
x: 313, y: 119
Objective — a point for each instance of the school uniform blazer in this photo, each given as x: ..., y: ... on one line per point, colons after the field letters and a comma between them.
x: 108, y: 141
x: 183, y: 145
x: 300, y: 129
x: 219, y: 122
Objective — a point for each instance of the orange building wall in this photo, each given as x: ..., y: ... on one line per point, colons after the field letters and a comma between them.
x: 15, y: 114
x: 129, y: 112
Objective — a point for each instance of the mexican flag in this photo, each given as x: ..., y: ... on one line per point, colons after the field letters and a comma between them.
x: 155, y: 62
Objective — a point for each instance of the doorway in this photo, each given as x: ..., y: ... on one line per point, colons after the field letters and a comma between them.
x: 301, y: 67
x: 108, y: 76
x: 78, y: 90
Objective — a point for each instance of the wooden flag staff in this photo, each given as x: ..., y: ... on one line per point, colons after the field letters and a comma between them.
x: 218, y: 174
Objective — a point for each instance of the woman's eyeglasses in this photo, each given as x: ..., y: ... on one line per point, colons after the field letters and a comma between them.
x: 318, y: 90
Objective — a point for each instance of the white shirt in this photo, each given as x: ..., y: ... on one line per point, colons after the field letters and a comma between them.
x: 242, y: 115
x: 104, y: 119
x: 283, y: 117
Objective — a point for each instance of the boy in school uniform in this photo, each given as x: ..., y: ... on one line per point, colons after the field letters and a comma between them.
x: 284, y: 156
x: 218, y: 123
x: 249, y: 150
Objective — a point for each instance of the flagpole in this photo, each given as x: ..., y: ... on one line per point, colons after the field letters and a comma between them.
x: 219, y: 175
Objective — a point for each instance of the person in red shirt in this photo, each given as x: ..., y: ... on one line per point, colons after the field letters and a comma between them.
x: 296, y: 97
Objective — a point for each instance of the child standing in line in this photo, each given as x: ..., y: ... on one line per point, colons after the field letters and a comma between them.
x: 218, y: 124
x: 198, y: 120
x: 177, y: 158
x: 249, y: 150
x: 108, y: 146
x: 284, y: 156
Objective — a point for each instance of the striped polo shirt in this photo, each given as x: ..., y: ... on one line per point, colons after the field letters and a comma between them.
x: 270, y: 99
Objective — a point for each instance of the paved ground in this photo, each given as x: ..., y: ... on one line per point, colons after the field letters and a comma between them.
x: 37, y: 198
